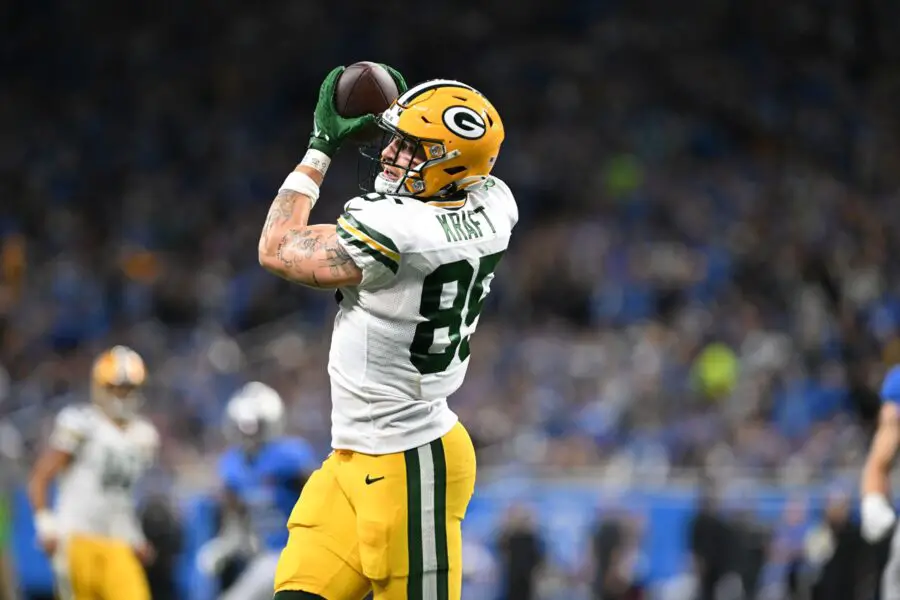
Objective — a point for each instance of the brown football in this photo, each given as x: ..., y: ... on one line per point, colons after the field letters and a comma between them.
x: 364, y: 88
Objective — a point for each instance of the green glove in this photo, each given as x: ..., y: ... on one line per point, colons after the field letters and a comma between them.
x: 397, y: 77
x: 329, y: 128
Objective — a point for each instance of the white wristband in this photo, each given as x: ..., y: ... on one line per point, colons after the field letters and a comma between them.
x: 45, y: 524
x: 877, y: 516
x: 317, y: 160
x: 302, y: 184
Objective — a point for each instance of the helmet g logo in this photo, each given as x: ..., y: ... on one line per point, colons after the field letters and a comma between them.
x: 464, y: 122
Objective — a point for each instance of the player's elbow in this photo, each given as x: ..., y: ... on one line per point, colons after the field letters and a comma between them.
x: 267, y: 250
x: 293, y: 272
x: 269, y: 261
x: 277, y: 267
x: 264, y: 253
x: 264, y: 259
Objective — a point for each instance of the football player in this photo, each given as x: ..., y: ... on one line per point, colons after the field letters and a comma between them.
x: 876, y: 511
x: 412, y: 263
x: 262, y: 475
x: 97, y: 452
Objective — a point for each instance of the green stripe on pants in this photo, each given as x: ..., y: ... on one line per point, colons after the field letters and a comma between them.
x: 414, y: 523
x: 440, y: 519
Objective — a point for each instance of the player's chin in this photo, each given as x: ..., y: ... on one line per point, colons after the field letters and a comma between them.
x: 384, y: 185
x: 390, y: 174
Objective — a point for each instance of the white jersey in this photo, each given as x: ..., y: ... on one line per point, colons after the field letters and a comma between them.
x: 96, y: 492
x: 401, y: 338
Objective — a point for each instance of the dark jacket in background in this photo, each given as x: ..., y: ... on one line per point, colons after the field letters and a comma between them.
x: 614, y: 546
x: 162, y: 528
x: 839, y: 575
x: 607, y: 542
x: 521, y: 553
x: 752, y: 545
x: 711, y: 544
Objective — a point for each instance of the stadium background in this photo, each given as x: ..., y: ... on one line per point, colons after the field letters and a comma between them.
x: 701, y: 286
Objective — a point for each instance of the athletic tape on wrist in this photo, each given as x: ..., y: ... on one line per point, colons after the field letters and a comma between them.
x: 45, y: 524
x: 302, y: 184
x: 317, y: 160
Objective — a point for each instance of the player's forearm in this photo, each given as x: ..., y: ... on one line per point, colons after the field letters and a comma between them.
x: 37, y: 492
x: 44, y: 521
x: 881, y: 455
x: 877, y: 513
x: 292, y: 249
x: 288, y: 215
x: 875, y: 476
x: 874, y: 479
x: 289, y: 210
x: 48, y: 466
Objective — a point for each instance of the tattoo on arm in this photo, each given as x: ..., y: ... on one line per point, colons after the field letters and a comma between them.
x: 320, y: 250
x: 306, y: 254
x: 280, y: 212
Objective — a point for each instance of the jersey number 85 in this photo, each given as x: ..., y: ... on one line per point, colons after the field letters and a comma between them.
x: 469, y: 295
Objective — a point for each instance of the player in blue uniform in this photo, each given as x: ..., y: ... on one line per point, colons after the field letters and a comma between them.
x: 877, y: 512
x: 262, y: 475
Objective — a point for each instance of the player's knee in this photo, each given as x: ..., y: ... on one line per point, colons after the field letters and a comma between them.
x: 296, y: 595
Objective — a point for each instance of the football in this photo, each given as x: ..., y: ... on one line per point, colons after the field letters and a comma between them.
x: 364, y: 88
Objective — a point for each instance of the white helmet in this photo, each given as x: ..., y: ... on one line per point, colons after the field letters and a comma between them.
x: 254, y: 414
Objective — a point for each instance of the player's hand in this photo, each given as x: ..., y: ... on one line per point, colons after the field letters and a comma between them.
x: 397, y: 77
x: 329, y: 128
x: 877, y: 516
x: 46, y: 531
x: 145, y: 553
x: 49, y: 545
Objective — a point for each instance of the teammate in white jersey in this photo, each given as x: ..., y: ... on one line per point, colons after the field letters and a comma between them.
x: 97, y: 452
x: 412, y: 262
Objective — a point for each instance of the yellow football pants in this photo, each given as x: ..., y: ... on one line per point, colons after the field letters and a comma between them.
x: 389, y: 523
x: 88, y: 568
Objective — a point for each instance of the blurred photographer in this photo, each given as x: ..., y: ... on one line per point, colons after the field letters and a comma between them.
x: 162, y: 527
x: 835, y: 551
x: 616, y: 557
x: 710, y: 546
x: 521, y: 552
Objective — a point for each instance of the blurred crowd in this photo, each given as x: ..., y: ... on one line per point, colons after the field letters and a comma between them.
x: 805, y: 550
x: 702, y: 274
